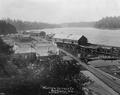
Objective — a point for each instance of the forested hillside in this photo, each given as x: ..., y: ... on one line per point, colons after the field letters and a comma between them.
x: 6, y: 28
x: 27, y: 25
x: 108, y: 23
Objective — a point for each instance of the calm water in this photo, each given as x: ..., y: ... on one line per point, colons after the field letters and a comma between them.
x: 97, y: 36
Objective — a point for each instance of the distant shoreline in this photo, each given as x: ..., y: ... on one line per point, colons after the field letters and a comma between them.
x: 108, y: 28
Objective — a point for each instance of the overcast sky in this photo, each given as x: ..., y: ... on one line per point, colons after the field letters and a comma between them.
x: 59, y: 11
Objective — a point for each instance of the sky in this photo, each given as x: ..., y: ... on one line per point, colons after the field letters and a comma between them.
x: 59, y: 11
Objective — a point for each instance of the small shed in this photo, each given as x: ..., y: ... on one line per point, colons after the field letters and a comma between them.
x: 83, y: 40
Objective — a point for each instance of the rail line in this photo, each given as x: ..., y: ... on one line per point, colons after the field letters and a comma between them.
x: 111, y: 82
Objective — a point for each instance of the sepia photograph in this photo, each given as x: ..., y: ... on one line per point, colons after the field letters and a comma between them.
x: 59, y: 47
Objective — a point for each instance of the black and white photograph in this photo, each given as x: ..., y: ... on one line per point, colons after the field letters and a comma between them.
x: 59, y: 47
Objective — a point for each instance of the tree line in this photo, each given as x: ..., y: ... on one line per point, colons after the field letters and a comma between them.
x: 27, y: 25
x: 104, y: 23
x: 108, y: 23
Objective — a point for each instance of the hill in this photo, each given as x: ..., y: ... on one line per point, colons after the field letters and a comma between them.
x: 27, y: 25
x: 108, y: 23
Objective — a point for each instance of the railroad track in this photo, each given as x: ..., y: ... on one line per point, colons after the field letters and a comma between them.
x: 112, y: 82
